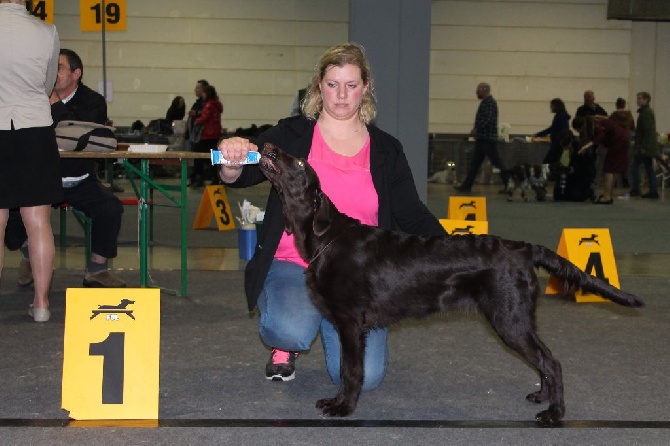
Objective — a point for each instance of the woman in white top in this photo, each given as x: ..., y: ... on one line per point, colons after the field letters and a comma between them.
x: 29, y: 160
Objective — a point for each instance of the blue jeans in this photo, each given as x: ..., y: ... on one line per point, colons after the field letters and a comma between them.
x: 648, y: 163
x: 289, y: 321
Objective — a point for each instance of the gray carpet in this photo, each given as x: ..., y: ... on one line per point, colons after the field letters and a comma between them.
x: 450, y: 381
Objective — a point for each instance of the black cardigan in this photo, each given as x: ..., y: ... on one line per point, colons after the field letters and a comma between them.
x: 399, y: 204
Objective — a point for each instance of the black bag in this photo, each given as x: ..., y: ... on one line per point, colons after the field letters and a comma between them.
x: 85, y: 136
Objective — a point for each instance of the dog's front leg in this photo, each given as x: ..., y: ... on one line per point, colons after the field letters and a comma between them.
x: 352, y: 342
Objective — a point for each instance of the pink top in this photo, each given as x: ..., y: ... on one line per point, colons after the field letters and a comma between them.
x: 348, y: 183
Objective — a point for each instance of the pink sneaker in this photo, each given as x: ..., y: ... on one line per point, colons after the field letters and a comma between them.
x: 281, y: 366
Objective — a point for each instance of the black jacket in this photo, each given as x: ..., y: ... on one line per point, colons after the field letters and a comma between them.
x: 86, y: 105
x: 399, y: 203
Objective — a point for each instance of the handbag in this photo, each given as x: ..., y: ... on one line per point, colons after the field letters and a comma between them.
x: 80, y: 136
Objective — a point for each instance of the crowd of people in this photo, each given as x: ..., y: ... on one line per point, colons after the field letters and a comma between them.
x: 576, y: 145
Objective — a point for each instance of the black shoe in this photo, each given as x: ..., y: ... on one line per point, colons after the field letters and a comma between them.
x: 653, y: 195
x: 281, y: 366
x: 466, y: 190
x: 601, y: 201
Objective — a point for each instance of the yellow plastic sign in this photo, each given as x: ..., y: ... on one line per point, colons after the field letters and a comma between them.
x: 461, y: 227
x: 42, y: 9
x: 111, y: 353
x: 467, y: 208
x: 92, y: 14
x: 214, y: 203
x: 591, y: 251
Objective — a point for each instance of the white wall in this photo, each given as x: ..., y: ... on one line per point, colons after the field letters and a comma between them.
x: 259, y: 52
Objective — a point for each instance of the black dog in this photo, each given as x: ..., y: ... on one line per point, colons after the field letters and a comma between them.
x: 362, y: 277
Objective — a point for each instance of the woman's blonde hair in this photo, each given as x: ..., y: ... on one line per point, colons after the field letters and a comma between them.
x: 340, y: 55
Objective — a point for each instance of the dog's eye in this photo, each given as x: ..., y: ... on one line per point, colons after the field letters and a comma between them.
x: 300, y: 163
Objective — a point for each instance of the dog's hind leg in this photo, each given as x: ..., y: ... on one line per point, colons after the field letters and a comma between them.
x: 527, y: 343
x: 352, y: 340
x: 511, y: 313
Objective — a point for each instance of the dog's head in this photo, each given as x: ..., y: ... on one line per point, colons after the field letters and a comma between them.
x: 305, y: 206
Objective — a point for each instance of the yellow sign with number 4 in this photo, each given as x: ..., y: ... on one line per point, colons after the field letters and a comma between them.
x: 111, y: 353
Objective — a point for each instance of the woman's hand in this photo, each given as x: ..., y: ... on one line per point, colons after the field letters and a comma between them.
x: 235, y: 150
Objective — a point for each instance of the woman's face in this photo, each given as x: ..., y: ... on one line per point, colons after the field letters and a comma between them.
x: 342, y: 90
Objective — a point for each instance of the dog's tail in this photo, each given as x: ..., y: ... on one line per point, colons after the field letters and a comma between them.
x: 573, y: 278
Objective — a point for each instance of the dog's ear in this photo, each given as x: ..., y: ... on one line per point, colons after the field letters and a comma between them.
x: 322, y: 206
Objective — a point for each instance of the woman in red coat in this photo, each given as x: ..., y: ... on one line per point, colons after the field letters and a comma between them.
x: 617, y: 141
x: 209, y: 123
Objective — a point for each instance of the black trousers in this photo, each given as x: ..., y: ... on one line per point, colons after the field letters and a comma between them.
x: 485, y: 148
x: 104, y: 208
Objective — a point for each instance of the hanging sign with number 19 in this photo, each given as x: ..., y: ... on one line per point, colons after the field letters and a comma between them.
x: 111, y: 353
x: 93, y: 13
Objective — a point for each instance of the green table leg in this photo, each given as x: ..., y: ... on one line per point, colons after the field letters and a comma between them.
x: 144, y: 240
x: 184, y: 227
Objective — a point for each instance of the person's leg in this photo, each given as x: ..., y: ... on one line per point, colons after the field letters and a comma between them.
x: 288, y: 319
x: 608, y: 187
x: 376, y: 355
x: 105, y: 210
x: 42, y: 250
x: 478, y: 155
x: 496, y: 160
x: 651, y: 175
x: 635, y: 177
x: 4, y: 216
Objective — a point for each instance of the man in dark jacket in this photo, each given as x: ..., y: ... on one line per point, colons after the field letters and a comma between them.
x: 72, y: 100
x: 590, y: 108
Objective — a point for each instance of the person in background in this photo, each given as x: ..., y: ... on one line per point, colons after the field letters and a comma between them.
x: 577, y: 171
x: 72, y: 100
x: 365, y: 173
x: 485, y: 132
x: 177, y: 110
x: 29, y: 160
x: 210, y: 121
x: 192, y: 132
x: 645, y: 148
x: 616, y: 140
x: 624, y: 118
x: 589, y: 108
x: 559, y: 124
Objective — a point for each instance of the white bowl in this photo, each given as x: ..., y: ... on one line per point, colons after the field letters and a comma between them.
x: 147, y: 148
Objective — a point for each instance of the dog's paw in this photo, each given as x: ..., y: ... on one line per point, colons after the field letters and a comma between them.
x: 334, y: 407
x: 550, y: 417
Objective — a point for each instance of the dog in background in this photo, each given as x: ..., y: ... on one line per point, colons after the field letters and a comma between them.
x: 446, y: 176
x: 362, y: 277
x: 526, y: 177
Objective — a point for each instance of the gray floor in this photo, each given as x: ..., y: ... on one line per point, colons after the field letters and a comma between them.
x: 450, y: 381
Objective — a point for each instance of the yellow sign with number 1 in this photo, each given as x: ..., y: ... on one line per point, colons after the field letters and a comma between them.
x: 92, y: 13
x: 111, y: 353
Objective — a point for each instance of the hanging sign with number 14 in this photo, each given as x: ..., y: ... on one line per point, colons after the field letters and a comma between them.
x: 42, y: 9
x: 93, y: 13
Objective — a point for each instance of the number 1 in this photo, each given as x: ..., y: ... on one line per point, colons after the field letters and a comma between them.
x: 112, y: 350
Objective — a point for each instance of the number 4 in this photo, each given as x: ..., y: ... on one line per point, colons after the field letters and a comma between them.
x: 37, y: 8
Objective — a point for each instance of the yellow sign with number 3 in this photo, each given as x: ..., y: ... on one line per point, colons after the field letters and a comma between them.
x: 92, y: 14
x: 111, y: 353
